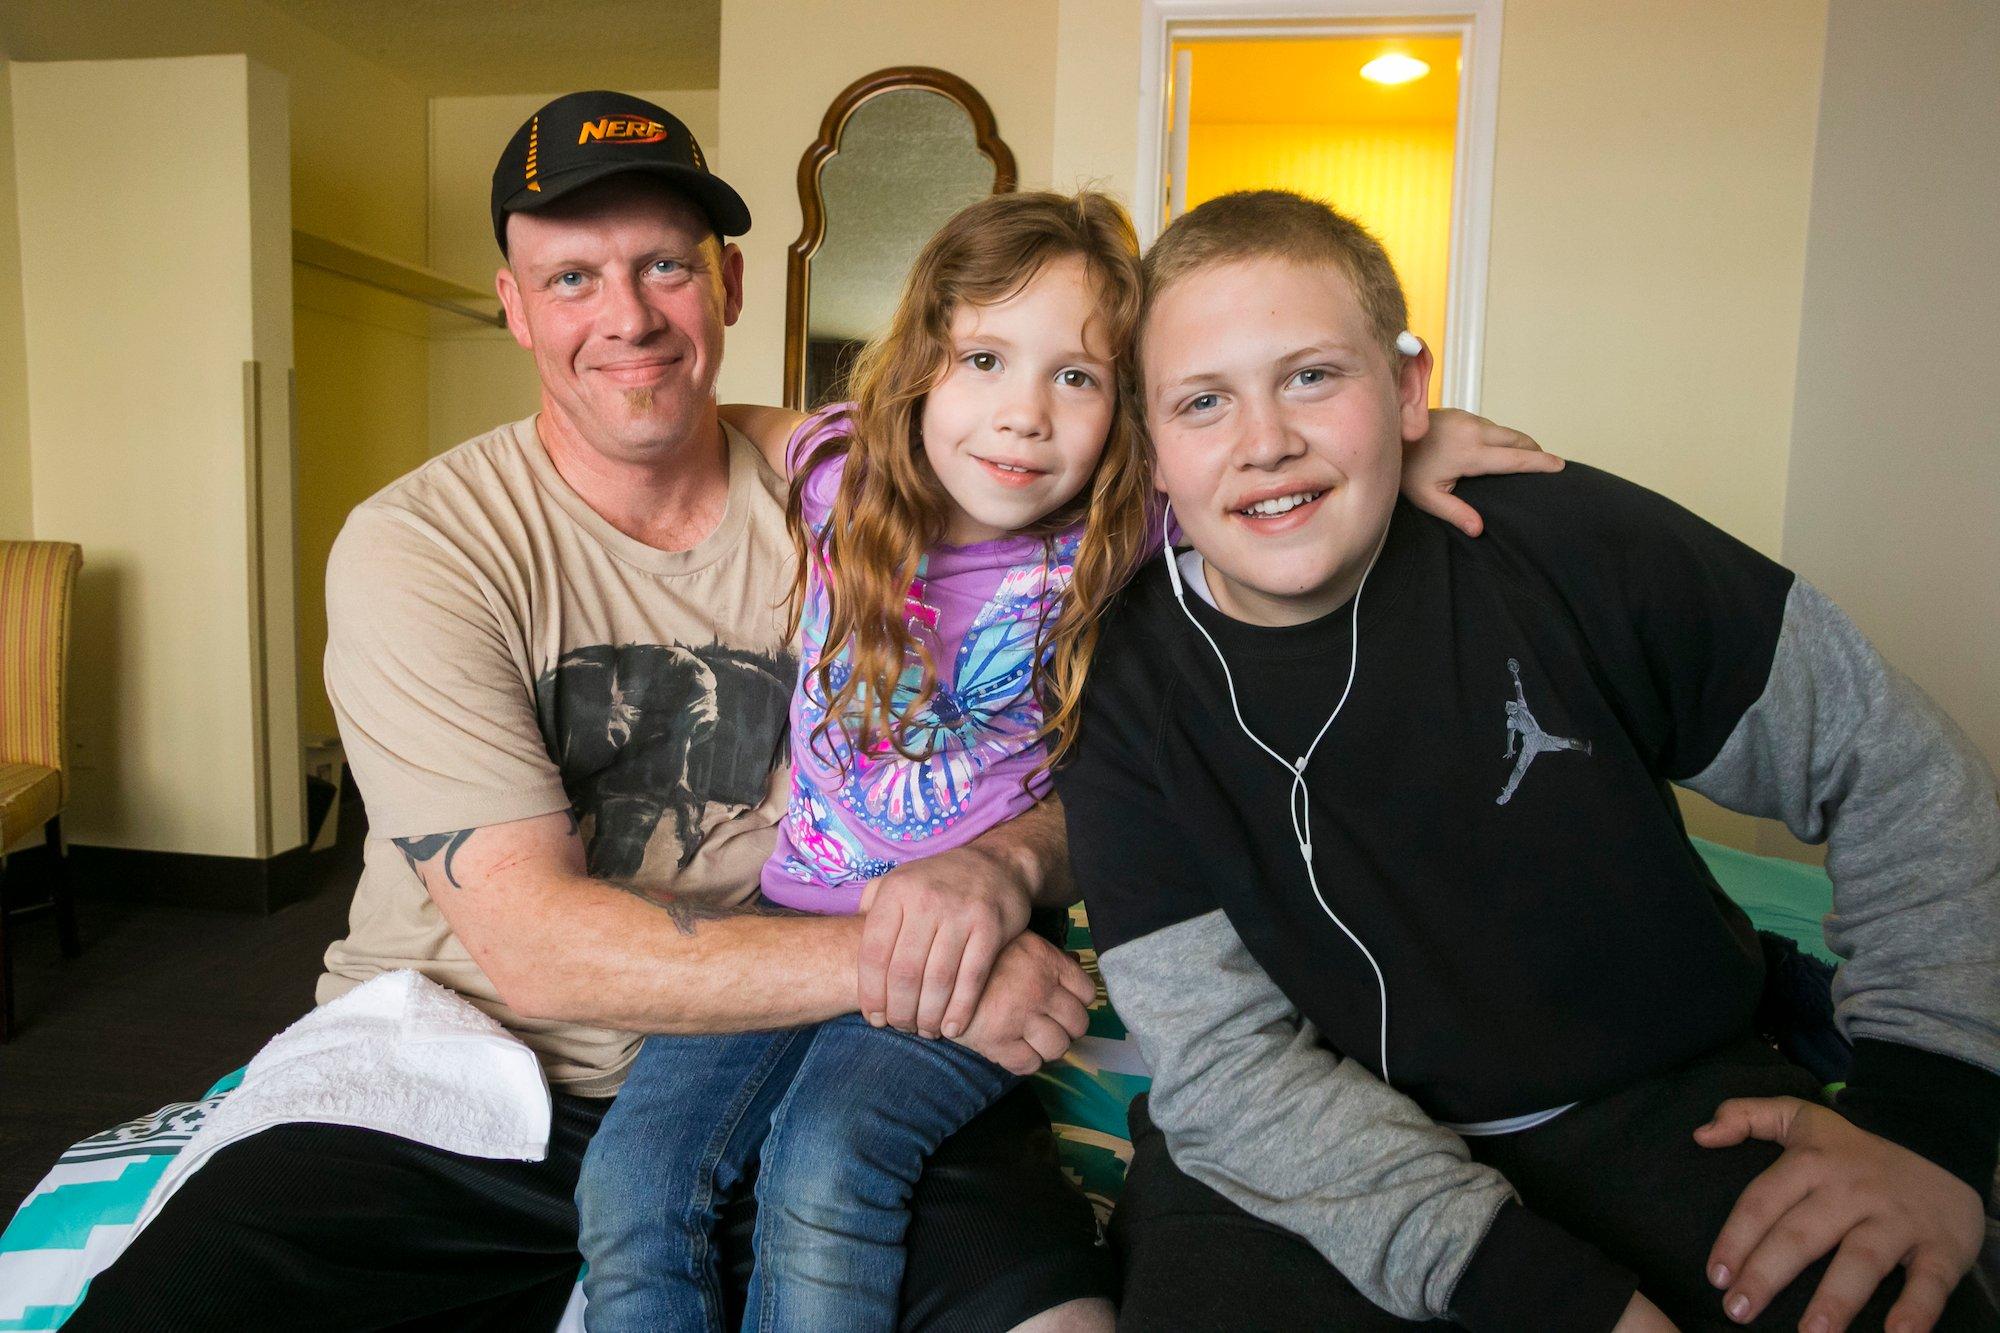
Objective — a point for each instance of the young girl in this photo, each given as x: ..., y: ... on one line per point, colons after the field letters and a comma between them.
x: 986, y: 465
x: 961, y: 526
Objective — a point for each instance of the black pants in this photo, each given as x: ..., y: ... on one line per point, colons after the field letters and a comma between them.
x: 1623, y: 1172
x: 325, y: 1227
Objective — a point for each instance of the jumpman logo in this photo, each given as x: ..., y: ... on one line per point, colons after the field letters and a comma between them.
x: 1522, y: 727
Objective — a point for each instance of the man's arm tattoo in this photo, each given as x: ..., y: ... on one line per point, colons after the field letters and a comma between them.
x: 689, y: 913
x: 418, y: 850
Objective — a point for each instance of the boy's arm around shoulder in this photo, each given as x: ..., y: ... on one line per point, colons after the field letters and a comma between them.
x: 1252, y: 1105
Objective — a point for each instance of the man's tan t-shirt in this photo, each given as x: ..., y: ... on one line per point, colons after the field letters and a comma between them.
x: 496, y: 650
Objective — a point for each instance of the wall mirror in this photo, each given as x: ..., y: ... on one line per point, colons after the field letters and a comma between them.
x: 899, y: 151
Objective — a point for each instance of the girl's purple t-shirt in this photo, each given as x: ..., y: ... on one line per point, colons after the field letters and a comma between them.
x: 854, y: 816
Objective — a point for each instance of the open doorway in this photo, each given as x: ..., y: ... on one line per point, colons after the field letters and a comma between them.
x: 1369, y: 124
x: 1384, y: 108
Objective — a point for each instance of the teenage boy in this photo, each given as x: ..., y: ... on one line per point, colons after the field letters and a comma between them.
x: 1445, y: 1015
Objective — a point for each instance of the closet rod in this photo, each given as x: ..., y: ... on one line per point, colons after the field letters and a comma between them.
x: 392, y: 276
x: 438, y: 303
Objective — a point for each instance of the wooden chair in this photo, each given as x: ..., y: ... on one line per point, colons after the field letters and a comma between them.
x: 36, y: 581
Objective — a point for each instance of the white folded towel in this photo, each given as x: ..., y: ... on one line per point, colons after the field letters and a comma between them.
x: 400, y: 1054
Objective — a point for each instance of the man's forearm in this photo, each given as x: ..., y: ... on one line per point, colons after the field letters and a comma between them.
x: 584, y: 951
x: 689, y: 967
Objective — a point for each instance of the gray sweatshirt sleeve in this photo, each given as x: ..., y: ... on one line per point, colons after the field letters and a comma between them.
x: 1254, y: 1107
x: 1846, y: 750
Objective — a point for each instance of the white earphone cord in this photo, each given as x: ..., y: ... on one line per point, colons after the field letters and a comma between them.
x: 1300, y: 801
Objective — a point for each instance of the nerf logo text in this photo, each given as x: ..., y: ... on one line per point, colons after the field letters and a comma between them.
x: 622, y: 129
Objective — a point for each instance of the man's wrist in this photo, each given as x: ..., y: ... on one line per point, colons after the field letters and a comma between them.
x: 1015, y: 868
x: 1020, y: 867
x: 1031, y: 852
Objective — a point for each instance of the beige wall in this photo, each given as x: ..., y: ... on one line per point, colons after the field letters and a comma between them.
x: 356, y: 130
x: 270, y: 472
x: 16, y: 509
x: 1649, y: 214
x: 1893, y: 506
x: 479, y: 377
x: 137, y: 417
x: 1097, y: 97
x: 364, y: 383
x: 358, y: 175
x: 784, y: 61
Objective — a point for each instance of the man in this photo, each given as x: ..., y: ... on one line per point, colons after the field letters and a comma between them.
x: 1447, y: 1018
x: 558, y: 658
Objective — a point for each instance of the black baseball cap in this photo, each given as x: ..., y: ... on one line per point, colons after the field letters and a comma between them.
x: 581, y: 138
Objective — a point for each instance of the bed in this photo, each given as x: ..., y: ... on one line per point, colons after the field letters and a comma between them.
x: 83, y: 1210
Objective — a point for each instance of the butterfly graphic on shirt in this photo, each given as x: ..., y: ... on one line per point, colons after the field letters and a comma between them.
x: 981, y: 711
x: 824, y: 850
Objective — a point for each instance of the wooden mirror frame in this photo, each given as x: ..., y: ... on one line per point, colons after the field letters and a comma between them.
x: 812, y: 208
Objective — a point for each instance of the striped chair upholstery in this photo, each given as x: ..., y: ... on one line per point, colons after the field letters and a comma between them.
x: 30, y: 796
x: 36, y: 579
x: 35, y: 583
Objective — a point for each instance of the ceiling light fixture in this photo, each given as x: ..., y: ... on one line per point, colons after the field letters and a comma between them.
x: 1394, y: 68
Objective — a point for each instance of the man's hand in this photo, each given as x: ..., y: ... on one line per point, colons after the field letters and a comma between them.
x: 1461, y: 445
x: 1033, y: 1007
x: 1642, y: 1316
x: 1838, y: 1185
x: 932, y: 930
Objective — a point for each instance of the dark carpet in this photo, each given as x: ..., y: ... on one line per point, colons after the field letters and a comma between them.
x: 164, y: 1001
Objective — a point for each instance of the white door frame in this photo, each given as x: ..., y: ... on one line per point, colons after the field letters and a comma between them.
x: 1476, y: 23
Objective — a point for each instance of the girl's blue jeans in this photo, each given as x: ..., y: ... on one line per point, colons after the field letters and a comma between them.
x: 839, y: 1116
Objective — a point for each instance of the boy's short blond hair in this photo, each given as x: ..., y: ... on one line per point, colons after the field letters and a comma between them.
x: 1277, y: 224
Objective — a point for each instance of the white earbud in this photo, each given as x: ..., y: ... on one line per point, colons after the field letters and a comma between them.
x: 1301, y: 795
x: 1409, y: 344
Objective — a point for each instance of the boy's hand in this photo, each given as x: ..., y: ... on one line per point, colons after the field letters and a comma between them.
x: 1032, y: 1008
x: 1642, y: 1316
x: 1461, y: 445
x: 1838, y: 1185
x: 933, y: 930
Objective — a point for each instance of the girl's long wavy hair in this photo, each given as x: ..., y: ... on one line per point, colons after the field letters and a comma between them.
x: 890, y: 507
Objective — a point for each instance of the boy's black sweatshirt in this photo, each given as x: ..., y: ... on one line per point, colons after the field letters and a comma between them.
x: 1492, y: 816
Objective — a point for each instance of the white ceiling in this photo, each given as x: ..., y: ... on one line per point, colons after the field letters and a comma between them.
x: 466, y: 47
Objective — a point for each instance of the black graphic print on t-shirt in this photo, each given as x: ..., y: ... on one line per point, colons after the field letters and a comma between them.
x: 645, y: 731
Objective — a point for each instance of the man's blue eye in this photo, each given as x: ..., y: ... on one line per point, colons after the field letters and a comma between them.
x: 570, y: 279
x: 666, y: 266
